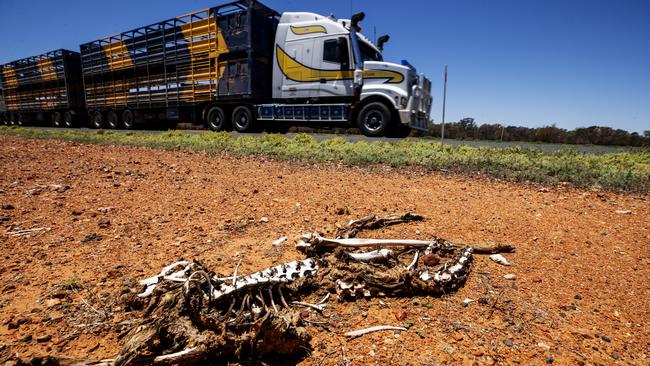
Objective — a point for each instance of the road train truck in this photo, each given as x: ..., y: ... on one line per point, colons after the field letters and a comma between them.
x: 243, y: 66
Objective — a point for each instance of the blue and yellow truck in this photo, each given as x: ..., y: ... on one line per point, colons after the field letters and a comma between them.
x: 240, y: 66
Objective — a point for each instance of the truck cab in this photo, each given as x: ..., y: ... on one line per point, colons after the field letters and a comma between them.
x: 324, y: 69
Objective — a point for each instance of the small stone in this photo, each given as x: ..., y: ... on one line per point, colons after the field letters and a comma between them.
x: 510, y: 276
x: 304, y: 314
x: 264, y: 219
x: 578, y: 297
x: 77, y: 212
x: 52, y: 302
x: 614, y: 355
x: 508, y: 342
x: 606, y: 339
x: 624, y: 212
x: 457, y: 336
x: 8, y: 206
x: 549, y: 360
x: 91, y: 237
x: 431, y: 259
x: 27, y: 338
x: 536, y: 279
x: 543, y: 346
x: 104, y: 223
x: 400, y: 315
x: 479, y: 352
x: 44, y: 338
x: 59, y: 294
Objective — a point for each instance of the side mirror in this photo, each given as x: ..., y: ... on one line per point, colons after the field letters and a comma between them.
x: 381, y: 41
x: 358, y: 78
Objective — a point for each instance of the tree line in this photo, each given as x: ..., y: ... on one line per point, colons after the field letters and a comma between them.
x: 467, y: 128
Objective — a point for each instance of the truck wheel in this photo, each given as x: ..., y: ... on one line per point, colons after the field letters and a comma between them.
x: 400, y: 131
x: 374, y: 119
x: 242, y: 119
x: 20, y: 119
x: 12, y: 119
x: 56, y: 119
x: 128, y: 119
x: 97, y: 120
x: 4, y: 118
x: 216, y: 119
x: 112, y: 120
x: 68, y: 119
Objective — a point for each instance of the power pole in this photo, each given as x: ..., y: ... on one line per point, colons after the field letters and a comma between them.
x: 444, y: 104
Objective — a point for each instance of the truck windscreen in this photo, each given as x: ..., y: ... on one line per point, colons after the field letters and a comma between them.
x: 368, y: 53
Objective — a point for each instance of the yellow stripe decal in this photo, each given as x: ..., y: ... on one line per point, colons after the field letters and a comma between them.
x: 118, y: 55
x: 47, y: 69
x: 393, y: 77
x: 296, y: 71
x: 310, y: 29
x: 10, y: 77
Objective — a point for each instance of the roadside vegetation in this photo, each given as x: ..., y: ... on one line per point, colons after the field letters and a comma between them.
x: 628, y: 171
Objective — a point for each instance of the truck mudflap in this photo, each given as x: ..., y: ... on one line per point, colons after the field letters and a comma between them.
x: 418, y: 109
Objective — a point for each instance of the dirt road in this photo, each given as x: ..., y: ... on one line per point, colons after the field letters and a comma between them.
x: 111, y: 215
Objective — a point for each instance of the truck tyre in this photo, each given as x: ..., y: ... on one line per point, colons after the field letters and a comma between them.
x: 68, y: 119
x: 242, y: 119
x: 56, y: 119
x: 216, y: 119
x: 128, y: 119
x: 20, y: 119
x: 374, y: 119
x: 97, y: 120
x: 4, y: 118
x: 112, y: 120
x: 400, y: 131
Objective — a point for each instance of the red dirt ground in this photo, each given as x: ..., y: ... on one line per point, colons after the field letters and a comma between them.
x: 581, y: 293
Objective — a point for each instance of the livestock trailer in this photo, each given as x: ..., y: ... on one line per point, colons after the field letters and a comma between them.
x: 173, y: 69
x: 43, y: 88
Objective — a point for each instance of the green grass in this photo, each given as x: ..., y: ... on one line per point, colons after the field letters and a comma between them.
x: 629, y: 171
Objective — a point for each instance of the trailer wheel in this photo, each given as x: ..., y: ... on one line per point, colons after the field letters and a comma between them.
x: 68, y: 119
x: 128, y: 119
x: 112, y: 120
x: 20, y: 119
x: 56, y: 119
x: 242, y: 119
x: 12, y: 119
x: 216, y: 119
x: 4, y: 118
x: 374, y: 119
x: 97, y: 120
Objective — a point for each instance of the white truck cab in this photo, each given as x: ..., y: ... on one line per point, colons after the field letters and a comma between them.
x: 325, y: 70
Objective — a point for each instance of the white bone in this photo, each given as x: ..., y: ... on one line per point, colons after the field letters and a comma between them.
x: 372, y: 255
x: 500, y: 259
x: 361, y: 332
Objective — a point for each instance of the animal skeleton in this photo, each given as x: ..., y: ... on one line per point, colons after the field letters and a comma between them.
x: 192, y: 311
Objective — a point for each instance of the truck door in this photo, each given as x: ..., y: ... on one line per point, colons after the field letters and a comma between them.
x: 334, y: 54
x: 294, y: 83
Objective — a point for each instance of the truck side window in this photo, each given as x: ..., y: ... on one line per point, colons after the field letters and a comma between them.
x: 336, y: 51
x: 331, y: 51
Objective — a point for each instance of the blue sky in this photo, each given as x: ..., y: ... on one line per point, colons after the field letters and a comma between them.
x: 518, y: 62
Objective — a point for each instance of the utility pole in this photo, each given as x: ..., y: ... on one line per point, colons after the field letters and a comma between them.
x: 444, y: 104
